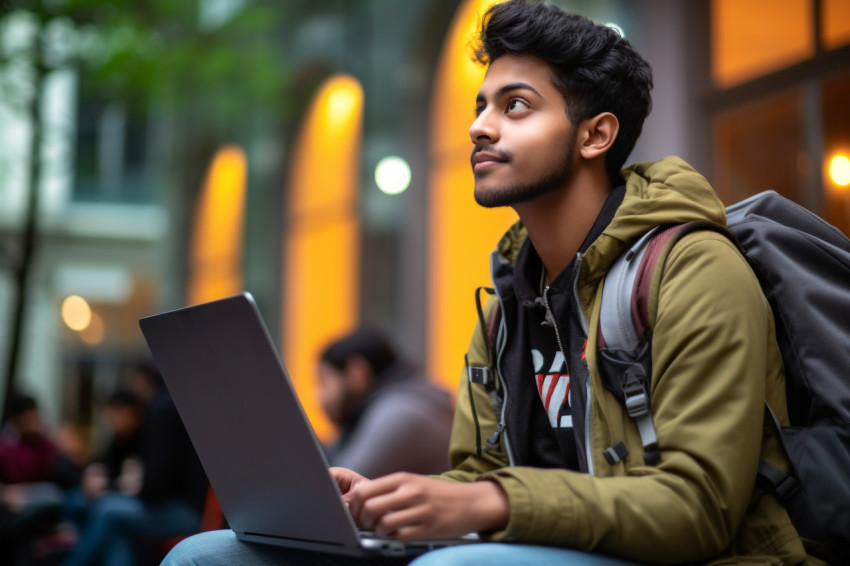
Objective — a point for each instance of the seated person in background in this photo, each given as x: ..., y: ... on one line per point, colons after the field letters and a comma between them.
x: 390, y: 417
x: 123, y: 414
x: 30, y: 479
x: 164, y: 493
x: 116, y: 468
x: 27, y: 454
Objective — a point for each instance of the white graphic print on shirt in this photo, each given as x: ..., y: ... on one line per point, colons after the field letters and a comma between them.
x: 553, y: 387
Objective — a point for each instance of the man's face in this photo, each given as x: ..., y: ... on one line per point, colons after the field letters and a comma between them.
x: 336, y: 394
x: 332, y: 391
x: 522, y: 135
x: 28, y: 423
x: 123, y: 419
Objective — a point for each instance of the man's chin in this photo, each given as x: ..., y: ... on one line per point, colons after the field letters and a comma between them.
x: 491, y: 198
x: 491, y: 204
x: 497, y: 198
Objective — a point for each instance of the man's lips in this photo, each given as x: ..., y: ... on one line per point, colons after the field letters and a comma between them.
x: 482, y: 159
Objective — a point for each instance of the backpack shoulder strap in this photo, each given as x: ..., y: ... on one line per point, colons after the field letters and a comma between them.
x: 624, y: 314
x: 625, y: 317
x: 624, y: 334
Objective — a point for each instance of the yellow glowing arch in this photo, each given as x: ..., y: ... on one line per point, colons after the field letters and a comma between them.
x: 321, y: 246
x: 461, y: 233
x: 215, y: 257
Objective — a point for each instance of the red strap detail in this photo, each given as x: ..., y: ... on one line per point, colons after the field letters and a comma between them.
x: 643, y: 279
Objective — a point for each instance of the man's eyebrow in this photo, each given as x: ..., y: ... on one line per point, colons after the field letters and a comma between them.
x: 508, y: 88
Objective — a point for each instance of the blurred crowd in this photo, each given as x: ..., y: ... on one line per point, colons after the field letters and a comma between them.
x: 125, y: 502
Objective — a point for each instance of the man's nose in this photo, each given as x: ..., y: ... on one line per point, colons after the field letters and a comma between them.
x: 484, y: 128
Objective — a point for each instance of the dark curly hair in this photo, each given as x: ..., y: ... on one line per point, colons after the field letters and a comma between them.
x: 595, y: 68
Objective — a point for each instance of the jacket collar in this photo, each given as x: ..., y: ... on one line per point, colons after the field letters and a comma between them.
x: 668, y: 191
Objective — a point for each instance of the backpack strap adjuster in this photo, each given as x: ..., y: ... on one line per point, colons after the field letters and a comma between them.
x: 615, y: 453
x: 637, y: 406
x: 479, y: 375
x: 777, y: 482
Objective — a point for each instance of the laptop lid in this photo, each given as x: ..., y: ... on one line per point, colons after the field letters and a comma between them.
x: 248, y: 427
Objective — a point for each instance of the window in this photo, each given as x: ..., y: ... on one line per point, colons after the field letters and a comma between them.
x: 112, y: 154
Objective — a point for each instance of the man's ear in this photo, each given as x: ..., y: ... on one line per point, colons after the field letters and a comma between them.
x: 596, y: 135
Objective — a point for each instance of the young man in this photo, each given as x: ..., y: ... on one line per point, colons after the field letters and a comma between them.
x: 560, y: 108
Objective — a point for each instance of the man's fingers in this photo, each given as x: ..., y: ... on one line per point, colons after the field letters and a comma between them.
x: 368, y: 512
x: 404, y: 522
x: 370, y: 505
x: 346, y: 479
x: 371, y: 492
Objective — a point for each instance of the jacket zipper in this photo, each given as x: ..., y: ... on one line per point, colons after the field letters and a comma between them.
x: 587, y: 449
x: 551, y: 317
x: 501, y: 427
x: 501, y: 340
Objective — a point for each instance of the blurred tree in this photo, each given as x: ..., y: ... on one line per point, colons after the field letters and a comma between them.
x: 206, y: 64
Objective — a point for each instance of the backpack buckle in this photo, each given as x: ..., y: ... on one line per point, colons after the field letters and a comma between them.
x: 787, y: 488
x: 479, y: 375
x: 637, y: 406
x: 637, y: 399
x: 783, y: 486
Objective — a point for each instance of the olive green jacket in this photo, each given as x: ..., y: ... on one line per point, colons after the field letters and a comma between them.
x: 715, y: 362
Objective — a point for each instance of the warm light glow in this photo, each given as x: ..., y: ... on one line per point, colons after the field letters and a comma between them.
x: 839, y: 170
x: 215, y: 264
x: 321, y: 244
x: 342, y: 100
x: 392, y: 175
x: 756, y: 37
x: 76, y: 313
x: 835, y: 19
x: 461, y: 233
x: 94, y: 332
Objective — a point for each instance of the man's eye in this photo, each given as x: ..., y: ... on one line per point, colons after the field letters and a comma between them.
x: 516, y: 105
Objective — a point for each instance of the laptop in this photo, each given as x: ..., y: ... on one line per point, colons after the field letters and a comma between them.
x: 251, y: 434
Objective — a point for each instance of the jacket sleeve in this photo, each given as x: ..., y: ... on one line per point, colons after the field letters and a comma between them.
x: 712, y: 357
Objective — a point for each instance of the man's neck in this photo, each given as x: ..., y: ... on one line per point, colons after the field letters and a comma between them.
x: 559, y: 221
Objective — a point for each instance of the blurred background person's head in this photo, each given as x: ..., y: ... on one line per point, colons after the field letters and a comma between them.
x: 123, y: 413
x: 24, y: 416
x: 349, y: 369
x: 145, y: 381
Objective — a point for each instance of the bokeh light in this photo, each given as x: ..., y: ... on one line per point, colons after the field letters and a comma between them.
x: 392, y: 175
x: 76, y: 313
x: 839, y: 170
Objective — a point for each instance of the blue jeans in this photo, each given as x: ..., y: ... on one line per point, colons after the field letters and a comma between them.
x: 223, y: 548
x: 115, y: 521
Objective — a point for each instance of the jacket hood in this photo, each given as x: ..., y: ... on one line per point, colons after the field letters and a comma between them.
x: 668, y: 191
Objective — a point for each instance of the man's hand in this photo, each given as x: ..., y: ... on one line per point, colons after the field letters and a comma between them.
x: 346, y: 480
x: 413, y: 507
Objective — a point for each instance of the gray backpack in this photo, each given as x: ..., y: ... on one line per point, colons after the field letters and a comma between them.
x: 803, y: 266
